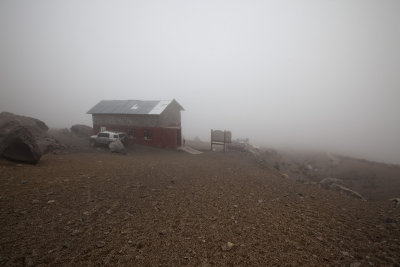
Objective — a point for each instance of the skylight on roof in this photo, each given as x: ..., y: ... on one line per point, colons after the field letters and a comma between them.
x: 135, y: 106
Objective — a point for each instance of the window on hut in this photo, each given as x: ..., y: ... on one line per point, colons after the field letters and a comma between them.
x: 148, y: 134
x: 107, y: 135
x: 132, y: 133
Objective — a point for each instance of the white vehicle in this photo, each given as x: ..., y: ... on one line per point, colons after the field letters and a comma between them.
x: 107, y: 137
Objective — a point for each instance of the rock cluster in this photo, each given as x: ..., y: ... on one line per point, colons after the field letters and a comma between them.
x: 24, y: 138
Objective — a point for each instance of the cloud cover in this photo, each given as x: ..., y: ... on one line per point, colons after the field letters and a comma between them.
x: 305, y: 74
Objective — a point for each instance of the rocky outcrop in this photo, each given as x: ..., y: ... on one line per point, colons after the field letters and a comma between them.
x: 347, y: 191
x: 336, y: 185
x: 17, y: 143
x: 327, y: 182
x: 23, y: 138
x: 82, y: 130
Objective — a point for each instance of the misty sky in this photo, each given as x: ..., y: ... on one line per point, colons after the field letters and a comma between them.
x: 305, y: 74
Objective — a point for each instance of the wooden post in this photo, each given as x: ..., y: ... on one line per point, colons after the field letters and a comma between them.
x: 211, y: 139
x: 224, y: 141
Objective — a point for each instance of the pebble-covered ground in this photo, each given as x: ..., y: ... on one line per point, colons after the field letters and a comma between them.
x: 153, y: 207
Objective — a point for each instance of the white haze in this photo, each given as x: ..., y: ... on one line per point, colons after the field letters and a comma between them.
x: 304, y: 74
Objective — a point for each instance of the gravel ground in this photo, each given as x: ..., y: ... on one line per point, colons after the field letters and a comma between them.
x: 153, y: 207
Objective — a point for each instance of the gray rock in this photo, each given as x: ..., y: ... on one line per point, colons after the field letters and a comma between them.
x: 75, y: 232
x: 100, y: 244
x: 347, y: 191
x: 82, y: 130
x: 117, y: 147
x: 228, y: 246
x: 23, y: 138
x: 395, y: 202
x: 18, y: 144
x: 326, y: 182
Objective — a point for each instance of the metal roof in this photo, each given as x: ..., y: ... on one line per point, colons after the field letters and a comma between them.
x: 150, y: 107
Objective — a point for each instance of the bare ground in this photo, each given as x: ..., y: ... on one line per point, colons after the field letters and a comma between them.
x: 154, y: 207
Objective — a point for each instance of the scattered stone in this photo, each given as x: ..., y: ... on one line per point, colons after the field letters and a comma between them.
x: 345, y: 253
x: 34, y: 253
x: 3, y: 259
x: 24, y: 181
x: 235, y: 206
x: 86, y: 213
x: 326, y: 182
x: 389, y: 220
x: 228, y: 246
x: 395, y: 202
x: 284, y: 175
x: 51, y: 201
x: 66, y: 245
x: 29, y: 261
x: 355, y: 264
x: 100, y: 244
x: 35, y: 201
x: 130, y: 242
x: 75, y: 232
x: 50, y: 193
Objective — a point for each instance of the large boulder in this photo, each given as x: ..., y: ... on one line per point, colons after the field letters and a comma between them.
x: 82, y: 130
x: 19, y: 144
x: 23, y: 138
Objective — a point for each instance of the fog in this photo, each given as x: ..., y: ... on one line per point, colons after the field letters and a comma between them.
x: 302, y: 74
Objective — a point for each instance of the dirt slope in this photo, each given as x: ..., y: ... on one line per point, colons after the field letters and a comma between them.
x: 154, y: 207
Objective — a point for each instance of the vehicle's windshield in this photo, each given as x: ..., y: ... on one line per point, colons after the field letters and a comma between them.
x: 103, y: 135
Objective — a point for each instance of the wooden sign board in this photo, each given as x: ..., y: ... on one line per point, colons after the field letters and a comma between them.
x: 219, y: 137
